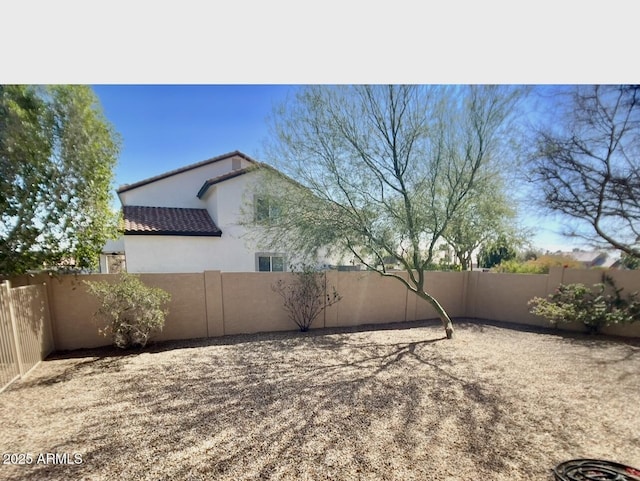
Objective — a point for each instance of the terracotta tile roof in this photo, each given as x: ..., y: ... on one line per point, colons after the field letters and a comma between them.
x: 235, y: 153
x: 141, y: 220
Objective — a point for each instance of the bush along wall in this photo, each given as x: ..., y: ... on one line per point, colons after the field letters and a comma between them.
x: 598, y: 306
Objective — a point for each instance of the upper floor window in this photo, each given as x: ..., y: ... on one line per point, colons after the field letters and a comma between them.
x: 265, y: 210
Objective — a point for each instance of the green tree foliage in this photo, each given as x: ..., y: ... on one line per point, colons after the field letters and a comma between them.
x: 493, y: 253
x: 306, y: 296
x: 381, y: 171
x: 486, y: 215
x: 539, y: 265
x: 130, y: 310
x: 596, y: 307
x: 57, y: 155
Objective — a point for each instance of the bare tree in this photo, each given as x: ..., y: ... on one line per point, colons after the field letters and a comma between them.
x: 586, y: 164
x: 381, y: 171
x: 306, y: 295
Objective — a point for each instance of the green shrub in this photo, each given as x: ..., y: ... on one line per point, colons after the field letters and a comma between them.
x: 596, y: 307
x: 131, y: 310
x: 540, y: 265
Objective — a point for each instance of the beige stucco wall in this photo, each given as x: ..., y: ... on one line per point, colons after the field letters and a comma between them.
x: 504, y: 297
x: 187, y: 309
x: 179, y: 190
x: 368, y: 298
x: 161, y: 254
x: 73, y: 309
x: 214, y: 303
x: 447, y: 288
x: 250, y: 305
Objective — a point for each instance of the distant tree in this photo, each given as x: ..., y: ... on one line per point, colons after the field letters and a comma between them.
x: 529, y: 254
x: 586, y: 164
x: 57, y: 154
x: 485, y: 215
x: 539, y: 265
x: 495, y: 252
x: 381, y: 171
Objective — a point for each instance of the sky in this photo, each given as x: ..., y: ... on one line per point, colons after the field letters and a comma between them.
x: 144, y: 62
x: 165, y: 127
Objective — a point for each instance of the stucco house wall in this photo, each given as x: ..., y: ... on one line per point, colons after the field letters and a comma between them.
x: 222, y: 186
x: 157, y: 254
x: 180, y: 190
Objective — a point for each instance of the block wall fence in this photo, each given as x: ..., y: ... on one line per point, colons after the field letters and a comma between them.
x: 214, y: 303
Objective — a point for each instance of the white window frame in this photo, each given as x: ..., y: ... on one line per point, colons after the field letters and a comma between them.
x: 271, y: 255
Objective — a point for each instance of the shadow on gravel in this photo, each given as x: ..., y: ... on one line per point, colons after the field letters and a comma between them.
x: 291, y: 406
x: 318, y: 405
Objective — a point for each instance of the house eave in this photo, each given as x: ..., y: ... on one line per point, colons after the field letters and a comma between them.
x: 174, y: 233
x: 216, y: 180
x: 236, y: 153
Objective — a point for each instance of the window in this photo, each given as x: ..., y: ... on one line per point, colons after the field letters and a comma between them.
x: 269, y: 262
x: 235, y: 164
x: 262, y: 209
x: 265, y: 210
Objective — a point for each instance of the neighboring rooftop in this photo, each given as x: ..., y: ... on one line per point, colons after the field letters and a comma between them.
x: 142, y: 220
x: 591, y: 258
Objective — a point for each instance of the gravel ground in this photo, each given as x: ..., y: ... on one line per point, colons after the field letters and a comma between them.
x: 395, y: 402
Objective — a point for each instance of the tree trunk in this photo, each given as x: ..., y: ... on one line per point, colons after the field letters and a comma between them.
x: 444, y: 317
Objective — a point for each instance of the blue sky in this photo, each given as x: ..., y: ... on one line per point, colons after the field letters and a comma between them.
x: 164, y: 127
x: 276, y: 43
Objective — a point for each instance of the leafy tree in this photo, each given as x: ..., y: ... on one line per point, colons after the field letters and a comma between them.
x: 485, y: 215
x: 500, y: 250
x: 57, y: 154
x: 306, y: 296
x: 586, y: 164
x: 381, y: 171
x: 131, y: 311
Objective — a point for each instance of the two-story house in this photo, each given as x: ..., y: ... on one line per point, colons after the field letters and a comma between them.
x: 189, y: 220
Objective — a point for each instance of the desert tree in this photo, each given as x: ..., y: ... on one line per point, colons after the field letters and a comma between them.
x: 486, y: 214
x: 586, y: 164
x: 57, y: 154
x: 379, y: 172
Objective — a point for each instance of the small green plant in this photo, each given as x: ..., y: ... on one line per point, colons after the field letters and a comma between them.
x: 306, y: 296
x: 596, y: 307
x: 131, y: 310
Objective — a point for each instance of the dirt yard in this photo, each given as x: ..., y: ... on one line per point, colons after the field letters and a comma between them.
x: 391, y: 403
